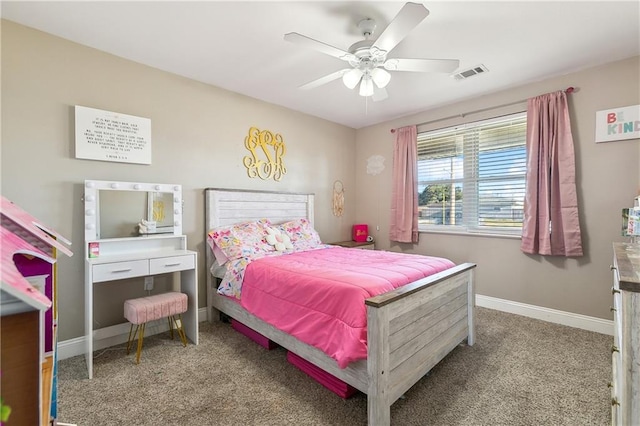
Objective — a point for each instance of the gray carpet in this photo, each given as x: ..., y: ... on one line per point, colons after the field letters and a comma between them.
x: 520, y: 372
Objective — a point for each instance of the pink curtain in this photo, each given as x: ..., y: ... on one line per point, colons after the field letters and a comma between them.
x: 550, y: 225
x: 404, y: 191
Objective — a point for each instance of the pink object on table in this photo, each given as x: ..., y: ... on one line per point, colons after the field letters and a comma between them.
x: 360, y: 233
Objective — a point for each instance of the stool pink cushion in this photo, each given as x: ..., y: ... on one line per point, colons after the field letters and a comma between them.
x: 145, y: 309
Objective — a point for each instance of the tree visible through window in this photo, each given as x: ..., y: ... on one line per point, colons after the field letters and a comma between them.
x: 472, y: 177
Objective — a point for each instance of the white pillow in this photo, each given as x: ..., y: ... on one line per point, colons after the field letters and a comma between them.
x: 278, y: 239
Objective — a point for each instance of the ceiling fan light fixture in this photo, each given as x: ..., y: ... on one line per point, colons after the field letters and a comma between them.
x: 381, y: 77
x: 352, y: 77
x: 366, y: 86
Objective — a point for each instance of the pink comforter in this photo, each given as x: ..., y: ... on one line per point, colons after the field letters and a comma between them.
x: 318, y: 295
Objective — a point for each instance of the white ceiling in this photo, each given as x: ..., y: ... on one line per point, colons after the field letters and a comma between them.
x: 239, y: 46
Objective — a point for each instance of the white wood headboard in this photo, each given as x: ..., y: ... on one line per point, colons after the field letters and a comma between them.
x: 229, y: 206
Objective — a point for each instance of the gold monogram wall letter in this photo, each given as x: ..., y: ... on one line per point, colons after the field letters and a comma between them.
x: 271, y: 147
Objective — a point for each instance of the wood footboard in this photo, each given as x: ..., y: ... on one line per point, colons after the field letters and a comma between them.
x: 411, y: 329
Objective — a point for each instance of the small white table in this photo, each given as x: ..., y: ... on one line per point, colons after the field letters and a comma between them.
x: 365, y: 245
x: 122, y: 258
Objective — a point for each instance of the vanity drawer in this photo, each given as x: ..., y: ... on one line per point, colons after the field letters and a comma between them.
x: 120, y: 270
x: 171, y: 264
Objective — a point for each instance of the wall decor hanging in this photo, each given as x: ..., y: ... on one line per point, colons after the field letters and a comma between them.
x: 267, y: 150
x: 375, y: 164
x: 618, y: 124
x: 112, y: 136
x: 338, y: 198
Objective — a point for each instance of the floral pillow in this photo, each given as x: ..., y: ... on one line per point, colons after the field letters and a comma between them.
x: 245, y: 239
x: 221, y: 258
x: 301, y: 233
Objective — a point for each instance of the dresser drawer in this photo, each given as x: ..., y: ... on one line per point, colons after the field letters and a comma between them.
x: 171, y: 264
x: 120, y: 270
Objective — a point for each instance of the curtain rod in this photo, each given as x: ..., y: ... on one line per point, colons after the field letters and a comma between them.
x: 568, y: 90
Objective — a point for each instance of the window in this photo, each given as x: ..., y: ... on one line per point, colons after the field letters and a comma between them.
x: 471, y: 178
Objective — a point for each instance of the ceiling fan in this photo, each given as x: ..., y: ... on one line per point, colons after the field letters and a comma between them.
x: 368, y: 58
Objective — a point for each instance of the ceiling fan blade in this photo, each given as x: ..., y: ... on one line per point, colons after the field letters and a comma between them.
x: 324, y: 80
x: 319, y: 46
x: 379, y: 94
x: 406, y: 20
x: 422, y: 65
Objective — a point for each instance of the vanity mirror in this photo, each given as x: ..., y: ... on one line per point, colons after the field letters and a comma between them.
x: 116, y: 209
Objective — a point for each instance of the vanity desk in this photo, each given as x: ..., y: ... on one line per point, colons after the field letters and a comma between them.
x: 161, y: 251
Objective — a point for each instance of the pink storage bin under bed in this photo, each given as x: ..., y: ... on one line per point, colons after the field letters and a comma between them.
x: 335, y: 385
x: 253, y: 335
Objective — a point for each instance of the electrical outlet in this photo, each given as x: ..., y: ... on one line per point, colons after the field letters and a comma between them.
x: 148, y: 283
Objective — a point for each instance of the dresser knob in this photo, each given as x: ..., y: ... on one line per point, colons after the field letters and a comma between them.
x: 614, y: 401
x: 614, y: 349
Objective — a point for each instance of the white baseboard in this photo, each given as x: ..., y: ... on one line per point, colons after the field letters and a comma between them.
x: 115, y: 335
x: 118, y: 334
x: 583, y: 322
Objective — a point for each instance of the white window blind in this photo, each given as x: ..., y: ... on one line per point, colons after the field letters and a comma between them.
x: 472, y: 177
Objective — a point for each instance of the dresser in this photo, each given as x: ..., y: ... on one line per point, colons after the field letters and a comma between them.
x: 625, y: 385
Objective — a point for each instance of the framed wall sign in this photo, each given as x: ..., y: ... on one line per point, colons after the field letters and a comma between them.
x: 111, y: 136
x: 618, y: 124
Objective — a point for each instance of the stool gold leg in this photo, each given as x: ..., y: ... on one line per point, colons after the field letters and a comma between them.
x: 140, y: 339
x: 131, y: 339
x: 170, y: 317
x: 181, y: 333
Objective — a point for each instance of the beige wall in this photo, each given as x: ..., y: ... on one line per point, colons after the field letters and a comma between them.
x: 197, y: 141
x: 607, y: 181
x: 198, y: 133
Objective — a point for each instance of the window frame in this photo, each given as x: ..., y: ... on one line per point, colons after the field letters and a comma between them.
x: 470, y: 182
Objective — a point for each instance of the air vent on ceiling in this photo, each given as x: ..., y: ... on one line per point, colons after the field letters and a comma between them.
x: 470, y: 72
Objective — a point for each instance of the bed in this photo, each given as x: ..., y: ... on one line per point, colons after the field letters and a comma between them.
x: 400, y: 349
